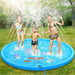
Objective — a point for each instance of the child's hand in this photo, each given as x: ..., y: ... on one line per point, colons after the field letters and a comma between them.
x: 42, y: 32
x: 29, y: 34
x: 23, y: 33
x: 60, y: 17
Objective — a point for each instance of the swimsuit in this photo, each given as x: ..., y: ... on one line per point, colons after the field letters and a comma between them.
x: 19, y: 27
x: 52, y: 26
x: 52, y: 36
x: 19, y: 33
x: 34, y: 42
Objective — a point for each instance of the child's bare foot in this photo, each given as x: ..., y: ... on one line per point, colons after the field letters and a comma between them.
x: 38, y: 52
x: 22, y: 46
x: 52, y: 60
x: 17, y: 48
x: 49, y: 53
x: 33, y: 54
x: 60, y: 53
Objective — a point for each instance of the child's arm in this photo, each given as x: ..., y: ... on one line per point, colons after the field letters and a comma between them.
x: 61, y: 20
x: 14, y: 28
x: 47, y: 32
x: 48, y: 29
x: 29, y: 34
x: 40, y: 35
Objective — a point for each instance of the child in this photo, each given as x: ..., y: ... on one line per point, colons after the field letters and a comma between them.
x: 52, y: 29
x: 34, y: 42
x: 19, y: 26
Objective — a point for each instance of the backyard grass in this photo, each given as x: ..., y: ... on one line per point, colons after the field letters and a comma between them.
x: 67, y: 37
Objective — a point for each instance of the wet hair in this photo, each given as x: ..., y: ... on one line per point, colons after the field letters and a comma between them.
x: 19, y: 16
x: 34, y: 27
x: 50, y: 15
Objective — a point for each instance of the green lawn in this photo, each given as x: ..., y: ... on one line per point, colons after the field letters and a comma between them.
x: 68, y: 37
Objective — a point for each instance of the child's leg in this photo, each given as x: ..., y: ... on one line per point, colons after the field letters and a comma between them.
x: 33, y: 47
x: 18, y: 36
x: 22, y: 36
x: 36, y: 48
x: 51, y: 43
x: 59, y: 42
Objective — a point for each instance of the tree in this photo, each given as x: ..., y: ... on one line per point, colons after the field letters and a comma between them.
x: 72, y: 2
x: 59, y: 7
x: 3, y: 15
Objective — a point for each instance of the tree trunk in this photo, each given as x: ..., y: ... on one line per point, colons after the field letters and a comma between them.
x: 73, y: 16
x: 73, y: 12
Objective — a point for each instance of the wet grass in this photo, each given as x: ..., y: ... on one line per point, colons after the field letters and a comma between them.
x: 68, y: 69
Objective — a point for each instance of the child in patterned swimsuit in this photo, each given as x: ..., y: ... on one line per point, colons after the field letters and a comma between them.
x: 52, y: 29
x: 19, y: 26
